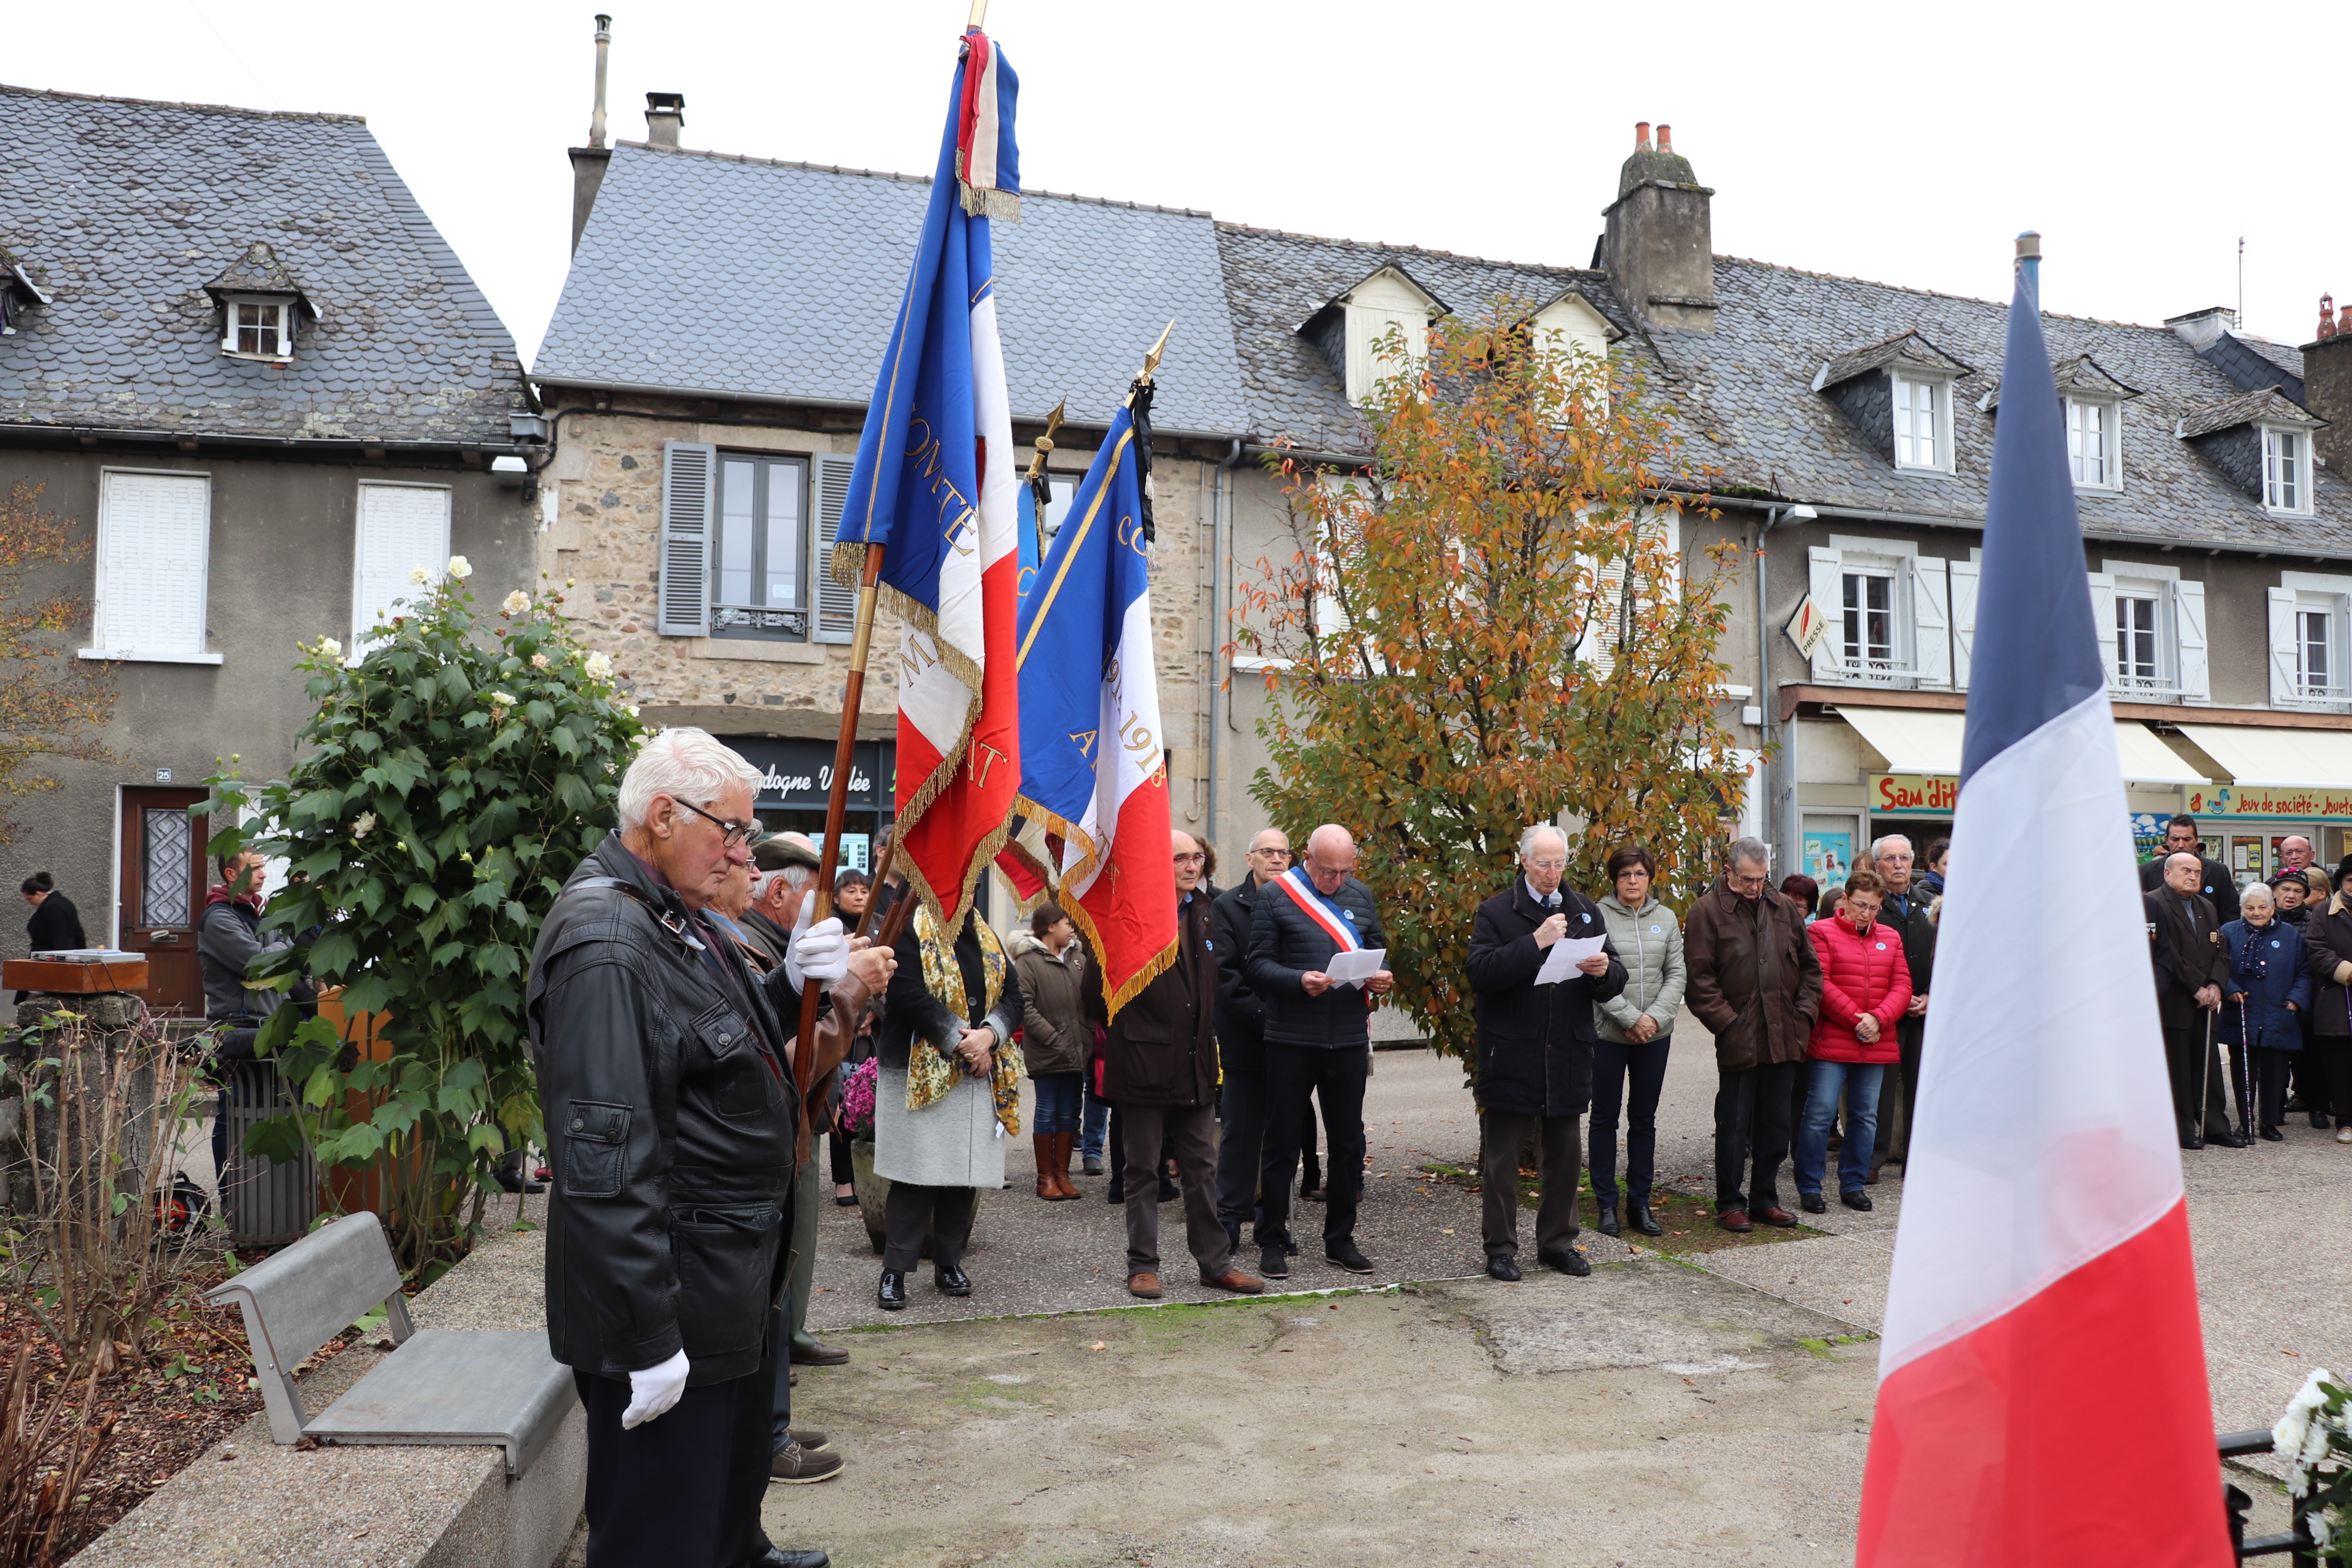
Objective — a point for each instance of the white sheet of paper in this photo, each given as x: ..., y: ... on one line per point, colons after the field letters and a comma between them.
x: 1565, y: 955
x: 1355, y: 968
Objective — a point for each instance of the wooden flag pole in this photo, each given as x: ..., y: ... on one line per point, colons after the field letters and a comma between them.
x: 836, y: 806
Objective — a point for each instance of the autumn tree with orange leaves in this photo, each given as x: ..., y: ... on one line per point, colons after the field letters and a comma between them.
x: 1489, y: 624
x: 52, y: 706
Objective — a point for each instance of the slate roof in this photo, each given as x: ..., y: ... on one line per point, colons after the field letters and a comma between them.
x: 124, y: 210
x: 708, y: 273
x: 1904, y: 348
x: 1274, y: 280
x: 2268, y: 402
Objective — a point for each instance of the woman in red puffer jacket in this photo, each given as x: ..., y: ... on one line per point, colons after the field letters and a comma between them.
x: 1865, y: 987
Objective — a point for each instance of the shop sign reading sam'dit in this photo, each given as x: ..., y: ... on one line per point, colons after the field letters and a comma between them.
x: 1913, y: 794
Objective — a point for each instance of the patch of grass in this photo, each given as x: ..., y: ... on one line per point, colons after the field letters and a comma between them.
x: 1821, y: 1348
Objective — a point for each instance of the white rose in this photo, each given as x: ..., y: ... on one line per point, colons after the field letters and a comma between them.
x: 502, y: 700
x: 539, y: 661
x: 362, y: 825
x: 599, y: 667
x: 516, y: 603
x: 2292, y: 1437
x: 418, y: 575
x: 460, y: 568
x: 330, y: 648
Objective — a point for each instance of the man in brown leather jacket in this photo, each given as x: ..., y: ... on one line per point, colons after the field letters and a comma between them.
x: 1756, y: 984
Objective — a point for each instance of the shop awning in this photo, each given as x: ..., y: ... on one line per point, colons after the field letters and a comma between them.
x: 2147, y: 760
x: 2277, y: 759
x: 1912, y: 740
x: 1924, y: 740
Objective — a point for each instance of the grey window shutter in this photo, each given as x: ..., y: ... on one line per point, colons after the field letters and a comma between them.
x: 689, y: 475
x: 837, y: 606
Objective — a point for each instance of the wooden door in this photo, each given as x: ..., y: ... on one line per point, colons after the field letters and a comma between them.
x: 163, y: 884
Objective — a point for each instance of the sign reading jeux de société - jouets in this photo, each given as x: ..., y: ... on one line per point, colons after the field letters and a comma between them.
x: 1913, y: 794
x: 2296, y: 805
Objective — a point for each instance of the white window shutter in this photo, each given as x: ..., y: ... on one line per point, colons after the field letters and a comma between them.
x: 2103, y: 619
x: 835, y: 619
x: 1963, y: 575
x: 689, y: 475
x: 2284, y: 666
x: 399, y: 529
x: 1828, y: 588
x: 1931, y: 622
x: 154, y: 536
x: 2188, y: 626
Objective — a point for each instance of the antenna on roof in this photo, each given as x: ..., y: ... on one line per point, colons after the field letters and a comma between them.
x: 2240, y: 321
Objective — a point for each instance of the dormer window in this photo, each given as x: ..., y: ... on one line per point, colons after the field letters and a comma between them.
x: 1898, y: 394
x: 1922, y: 424
x: 259, y: 300
x: 2091, y: 443
x: 259, y: 329
x: 1353, y: 329
x: 2286, y: 469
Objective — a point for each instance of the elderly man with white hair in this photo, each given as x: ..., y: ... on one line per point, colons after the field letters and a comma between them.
x: 2192, y: 973
x: 1535, y: 1049
x: 666, y: 1077
x: 1317, y: 1037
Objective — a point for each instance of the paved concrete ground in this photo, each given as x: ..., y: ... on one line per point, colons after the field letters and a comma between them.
x: 2275, y: 1294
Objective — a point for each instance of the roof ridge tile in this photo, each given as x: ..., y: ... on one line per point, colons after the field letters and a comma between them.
x: 318, y: 116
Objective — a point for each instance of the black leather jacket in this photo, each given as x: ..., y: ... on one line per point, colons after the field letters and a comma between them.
x: 1241, y: 1016
x: 671, y: 1127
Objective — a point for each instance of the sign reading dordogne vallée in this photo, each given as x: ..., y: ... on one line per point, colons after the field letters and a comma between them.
x: 1928, y: 794
x: 2299, y: 804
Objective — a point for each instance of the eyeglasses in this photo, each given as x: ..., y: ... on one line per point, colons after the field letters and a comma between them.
x: 1547, y: 865
x: 735, y: 832
x: 1273, y: 853
x: 1195, y: 858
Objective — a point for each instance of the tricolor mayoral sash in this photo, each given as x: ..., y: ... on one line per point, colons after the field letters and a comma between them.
x: 1340, y: 929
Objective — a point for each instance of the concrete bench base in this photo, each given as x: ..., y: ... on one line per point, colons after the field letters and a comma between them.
x: 249, y: 1501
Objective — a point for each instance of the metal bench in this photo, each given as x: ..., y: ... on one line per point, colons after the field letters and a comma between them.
x: 438, y: 1385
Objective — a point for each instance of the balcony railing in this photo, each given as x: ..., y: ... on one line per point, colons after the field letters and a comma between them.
x: 760, y: 619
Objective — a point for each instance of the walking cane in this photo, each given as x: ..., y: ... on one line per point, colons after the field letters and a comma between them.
x: 2205, y: 1074
x: 2245, y: 1062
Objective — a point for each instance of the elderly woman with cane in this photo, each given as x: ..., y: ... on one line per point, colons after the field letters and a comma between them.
x: 2269, y: 990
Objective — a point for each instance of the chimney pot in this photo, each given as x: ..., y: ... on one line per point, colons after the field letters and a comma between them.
x: 2328, y: 327
x: 665, y: 117
x: 1641, y: 136
x: 1665, y: 138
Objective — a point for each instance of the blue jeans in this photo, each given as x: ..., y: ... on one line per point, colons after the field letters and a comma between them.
x: 1058, y: 1101
x: 1095, y: 1119
x: 1859, y: 1084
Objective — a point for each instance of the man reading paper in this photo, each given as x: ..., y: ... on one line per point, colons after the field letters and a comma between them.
x: 1317, y: 1039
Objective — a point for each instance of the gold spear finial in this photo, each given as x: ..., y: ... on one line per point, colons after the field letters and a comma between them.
x: 1045, y: 444
x: 1152, y: 360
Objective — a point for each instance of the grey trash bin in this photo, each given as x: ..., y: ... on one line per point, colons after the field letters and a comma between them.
x: 266, y: 1202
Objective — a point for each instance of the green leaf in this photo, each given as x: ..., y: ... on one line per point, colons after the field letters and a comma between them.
x: 420, y: 896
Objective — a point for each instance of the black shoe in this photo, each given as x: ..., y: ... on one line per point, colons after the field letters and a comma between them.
x: 2295, y: 1103
x: 2319, y: 1120
x: 1116, y: 1191
x: 1811, y: 1203
x: 2192, y: 1143
x: 1639, y: 1216
x: 1234, y: 1238
x: 1290, y: 1244
x: 2273, y: 1135
x: 1345, y: 1255
x: 1168, y: 1191
x: 1856, y: 1200
x: 892, y: 1292
x: 1501, y: 1266
x: 1568, y: 1262
x: 1608, y: 1225
x: 1273, y: 1262
x: 777, y: 1557
x: 952, y: 1282
x: 2227, y: 1141
x: 515, y: 1184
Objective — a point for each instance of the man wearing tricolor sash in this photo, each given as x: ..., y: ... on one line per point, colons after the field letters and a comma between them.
x: 1318, y: 1037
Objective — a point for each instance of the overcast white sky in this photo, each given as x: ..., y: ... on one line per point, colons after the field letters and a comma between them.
x: 1907, y: 143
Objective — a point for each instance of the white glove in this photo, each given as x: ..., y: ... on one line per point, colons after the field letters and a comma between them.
x: 819, y: 953
x: 653, y: 1391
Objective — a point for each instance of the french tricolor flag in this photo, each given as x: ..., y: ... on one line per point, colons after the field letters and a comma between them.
x: 1094, y: 786
x: 2041, y: 1392
x: 936, y: 488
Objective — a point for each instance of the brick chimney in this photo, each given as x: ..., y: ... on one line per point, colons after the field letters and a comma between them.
x: 2328, y: 387
x: 1659, y: 249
